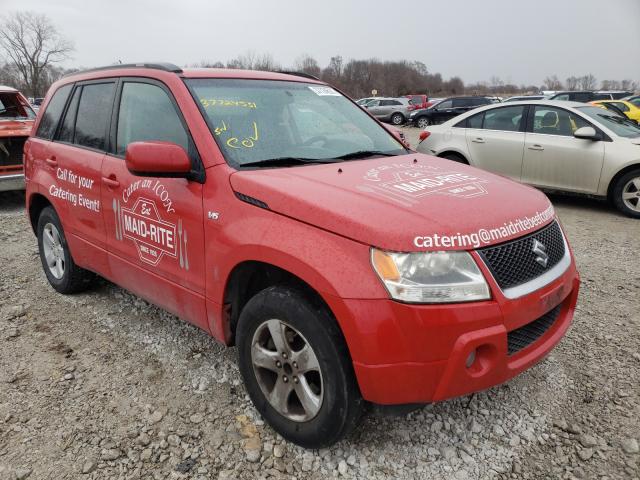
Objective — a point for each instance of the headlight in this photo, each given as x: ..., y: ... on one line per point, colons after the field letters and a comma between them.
x: 430, y: 277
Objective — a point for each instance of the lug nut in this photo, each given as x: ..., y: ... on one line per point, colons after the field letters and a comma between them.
x: 295, y: 380
x: 295, y: 364
x: 284, y: 355
x: 285, y: 379
x: 278, y: 364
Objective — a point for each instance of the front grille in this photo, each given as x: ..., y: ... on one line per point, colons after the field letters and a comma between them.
x: 514, y: 263
x: 524, y: 336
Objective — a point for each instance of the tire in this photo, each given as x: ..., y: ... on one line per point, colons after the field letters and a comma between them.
x: 626, y: 193
x: 397, y: 119
x: 58, y: 265
x: 335, y: 405
x: 423, y: 122
x: 455, y: 158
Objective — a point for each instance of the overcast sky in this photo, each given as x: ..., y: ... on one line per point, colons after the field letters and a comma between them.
x: 519, y: 41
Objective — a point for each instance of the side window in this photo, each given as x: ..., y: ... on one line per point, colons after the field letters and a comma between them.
x: 68, y: 128
x: 507, y: 119
x: 460, y: 102
x: 444, y: 105
x: 394, y: 102
x: 147, y: 113
x: 582, y: 97
x: 556, y: 121
x: 51, y: 115
x: 480, y: 101
x: 475, y: 121
x: 385, y: 103
x: 564, y: 96
x: 94, y: 113
x: 375, y: 103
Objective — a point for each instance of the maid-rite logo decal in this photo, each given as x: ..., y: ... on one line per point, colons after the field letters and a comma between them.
x: 154, y: 237
x: 412, y: 181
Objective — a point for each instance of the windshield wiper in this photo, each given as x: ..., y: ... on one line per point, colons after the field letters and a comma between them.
x: 270, y: 162
x: 364, y: 154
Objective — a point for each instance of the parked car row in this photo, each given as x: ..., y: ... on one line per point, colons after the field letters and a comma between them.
x: 559, y: 145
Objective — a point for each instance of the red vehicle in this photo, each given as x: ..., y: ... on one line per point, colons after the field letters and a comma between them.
x: 418, y: 102
x: 275, y: 214
x: 16, y: 121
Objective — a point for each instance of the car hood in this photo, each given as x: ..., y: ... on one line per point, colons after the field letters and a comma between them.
x: 403, y: 203
x: 15, y: 128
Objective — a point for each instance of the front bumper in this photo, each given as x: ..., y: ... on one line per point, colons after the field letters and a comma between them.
x: 418, y: 353
x: 11, y: 181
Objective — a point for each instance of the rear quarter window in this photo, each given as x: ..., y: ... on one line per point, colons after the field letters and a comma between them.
x: 52, y: 113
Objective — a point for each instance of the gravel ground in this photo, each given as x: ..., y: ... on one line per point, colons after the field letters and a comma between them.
x: 103, y: 385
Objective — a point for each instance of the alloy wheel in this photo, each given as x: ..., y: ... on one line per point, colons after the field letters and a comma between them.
x: 287, y: 370
x: 631, y: 194
x: 53, y: 250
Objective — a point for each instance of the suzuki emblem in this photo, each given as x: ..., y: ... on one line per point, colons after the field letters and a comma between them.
x: 541, y: 253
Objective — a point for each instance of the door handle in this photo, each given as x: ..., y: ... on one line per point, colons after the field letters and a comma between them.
x: 478, y: 140
x: 51, y: 161
x: 110, y: 182
x: 536, y: 147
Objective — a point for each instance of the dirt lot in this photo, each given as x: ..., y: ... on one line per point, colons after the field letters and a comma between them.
x: 103, y: 385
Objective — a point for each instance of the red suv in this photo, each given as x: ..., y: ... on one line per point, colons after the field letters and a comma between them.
x: 272, y: 212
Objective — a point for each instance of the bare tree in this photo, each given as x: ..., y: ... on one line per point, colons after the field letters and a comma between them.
x: 587, y: 82
x: 553, y: 83
x: 572, y: 82
x: 307, y: 64
x: 32, y: 44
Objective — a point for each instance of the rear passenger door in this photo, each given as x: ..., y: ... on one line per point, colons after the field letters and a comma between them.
x: 154, y: 225
x: 495, y: 139
x: 76, y: 156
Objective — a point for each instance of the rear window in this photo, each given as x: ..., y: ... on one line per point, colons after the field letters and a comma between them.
x: 51, y: 115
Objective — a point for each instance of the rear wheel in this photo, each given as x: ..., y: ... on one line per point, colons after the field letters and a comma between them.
x: 296, y: 367
x: 423, y: 122
x: 61, y: 271
x: 626, y: 194
x: 397, y: 119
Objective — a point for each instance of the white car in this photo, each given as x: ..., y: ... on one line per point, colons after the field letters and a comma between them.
x: 565, y: 146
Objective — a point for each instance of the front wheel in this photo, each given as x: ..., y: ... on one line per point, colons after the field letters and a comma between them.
x: 626, y: 194
x: 296, y: 367
x: 423, y: 122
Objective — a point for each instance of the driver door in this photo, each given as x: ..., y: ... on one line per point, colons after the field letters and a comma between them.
x: 554, y: 158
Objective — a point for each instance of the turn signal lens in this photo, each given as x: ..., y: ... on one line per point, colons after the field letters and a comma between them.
x: 385, y: 266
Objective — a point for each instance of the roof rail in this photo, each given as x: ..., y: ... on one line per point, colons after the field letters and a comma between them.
x: 164, y: 66
x: 298, y: 74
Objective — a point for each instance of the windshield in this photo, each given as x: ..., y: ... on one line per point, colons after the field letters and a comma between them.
x: 11, y: 108
x: 622, y: 127
x: 256, y: 121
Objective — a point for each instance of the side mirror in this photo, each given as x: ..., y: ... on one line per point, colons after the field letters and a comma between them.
x: 157, y: 159
x: 586, y: 133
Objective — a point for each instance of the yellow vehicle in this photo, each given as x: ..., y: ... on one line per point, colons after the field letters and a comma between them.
x: 628, y: 108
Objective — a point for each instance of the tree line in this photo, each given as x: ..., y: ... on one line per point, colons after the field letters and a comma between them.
x: 32, y: 51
